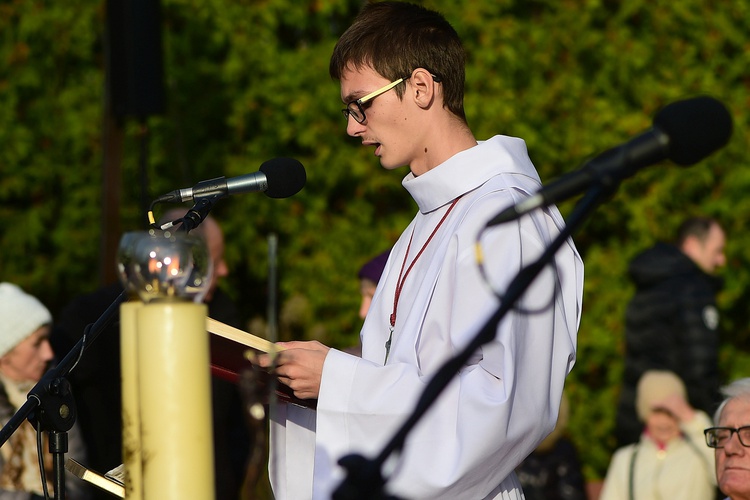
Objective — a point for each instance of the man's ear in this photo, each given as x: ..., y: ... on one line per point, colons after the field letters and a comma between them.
x: 424, y: 88
x: 691, y: 246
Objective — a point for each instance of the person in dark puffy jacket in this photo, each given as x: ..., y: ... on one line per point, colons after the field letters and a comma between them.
x: 672, y: 321
x: 553, y: 471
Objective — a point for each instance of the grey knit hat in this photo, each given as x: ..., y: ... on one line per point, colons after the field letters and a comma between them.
x: 22, y: 314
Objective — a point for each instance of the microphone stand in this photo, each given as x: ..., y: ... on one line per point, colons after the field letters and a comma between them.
x: 197, y: 213
x: 364, y: 479
x: 52, y: 395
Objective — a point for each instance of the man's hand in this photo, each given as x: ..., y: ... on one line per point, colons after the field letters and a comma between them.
x: 299, y: 366
x: 676, y: 406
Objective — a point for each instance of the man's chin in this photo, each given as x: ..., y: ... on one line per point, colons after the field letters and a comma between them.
x: 209, y: 295
x: 389, y: 165
x: 734, y: 480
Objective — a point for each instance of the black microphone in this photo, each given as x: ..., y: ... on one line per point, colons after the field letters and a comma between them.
x: 277, y: 178
x: 684, y: 132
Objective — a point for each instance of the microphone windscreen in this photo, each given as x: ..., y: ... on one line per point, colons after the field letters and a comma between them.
x: 696, y: 128
x: 285, y: 177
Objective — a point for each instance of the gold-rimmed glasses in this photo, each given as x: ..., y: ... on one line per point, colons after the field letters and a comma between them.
x: 355, y: 109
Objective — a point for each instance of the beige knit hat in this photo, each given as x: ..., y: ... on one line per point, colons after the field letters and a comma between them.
x: 655, y: 386
x: 22, y: 315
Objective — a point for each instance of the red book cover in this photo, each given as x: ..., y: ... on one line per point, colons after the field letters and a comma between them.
x: 231, y: 352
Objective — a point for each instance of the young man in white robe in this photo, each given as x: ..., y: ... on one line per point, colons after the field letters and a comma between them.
x: 401, y: 70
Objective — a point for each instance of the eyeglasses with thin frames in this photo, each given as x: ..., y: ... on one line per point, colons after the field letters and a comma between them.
x: 718, y: 437
x: 355, y: 109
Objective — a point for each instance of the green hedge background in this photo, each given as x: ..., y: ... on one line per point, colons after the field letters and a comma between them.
x: 247, y: 80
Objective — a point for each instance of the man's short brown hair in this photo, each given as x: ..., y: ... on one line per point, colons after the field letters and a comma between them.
x: 395, y: 38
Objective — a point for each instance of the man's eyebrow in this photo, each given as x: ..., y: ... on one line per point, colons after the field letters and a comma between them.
x: 353, y: 96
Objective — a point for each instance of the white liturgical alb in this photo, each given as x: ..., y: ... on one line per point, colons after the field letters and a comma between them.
x: 503, y: 402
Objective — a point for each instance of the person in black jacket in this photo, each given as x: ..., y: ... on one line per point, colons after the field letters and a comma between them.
x: 553, y: 471
x: 672, y: 321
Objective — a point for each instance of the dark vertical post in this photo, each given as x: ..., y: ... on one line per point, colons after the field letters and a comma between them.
x: 134, y: 87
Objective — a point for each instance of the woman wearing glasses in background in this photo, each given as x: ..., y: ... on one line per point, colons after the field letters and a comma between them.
x: 731, y: 440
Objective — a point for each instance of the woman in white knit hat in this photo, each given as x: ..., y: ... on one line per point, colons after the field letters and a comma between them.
x: 25, y: 355
x: 671, y: 460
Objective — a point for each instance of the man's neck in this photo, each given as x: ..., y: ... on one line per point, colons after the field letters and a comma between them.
x: 445, y: 141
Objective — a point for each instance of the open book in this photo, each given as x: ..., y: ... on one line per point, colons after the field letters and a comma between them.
x: 233, y: 349
x: 112, y: 481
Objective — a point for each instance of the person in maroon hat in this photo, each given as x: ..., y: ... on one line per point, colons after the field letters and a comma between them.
x: 369, y: 275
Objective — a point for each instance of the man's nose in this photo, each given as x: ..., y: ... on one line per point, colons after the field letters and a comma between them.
x: 353, y: 127
x: 733, y: 446
x: 221, y: 269
x: 47, y: 353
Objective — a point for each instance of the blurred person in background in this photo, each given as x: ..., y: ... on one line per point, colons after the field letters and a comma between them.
x: 369, y: 276
x: 25, y: 355
x: 672, y: 321
x: 670, y: 460
x: 553, y: 470
x: 730, y: 440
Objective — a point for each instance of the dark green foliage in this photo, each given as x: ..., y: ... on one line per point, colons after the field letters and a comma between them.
x: 248, y: 81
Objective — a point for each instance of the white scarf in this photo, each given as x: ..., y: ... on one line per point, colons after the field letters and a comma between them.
x: 21, y: 469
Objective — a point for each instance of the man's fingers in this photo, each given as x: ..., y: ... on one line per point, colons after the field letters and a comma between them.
x: 268, y: 360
